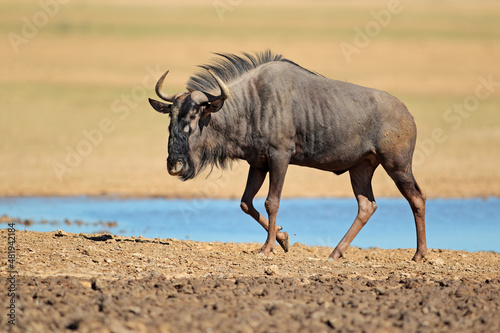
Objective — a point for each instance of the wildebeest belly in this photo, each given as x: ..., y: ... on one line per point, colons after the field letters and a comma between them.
x: 335, y: 159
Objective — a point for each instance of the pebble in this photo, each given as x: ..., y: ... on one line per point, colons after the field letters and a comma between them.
x: 60, y: 233
x: 271, y: 270
x: 437, y: 262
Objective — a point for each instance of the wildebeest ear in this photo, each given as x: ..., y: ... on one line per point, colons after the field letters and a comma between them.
x: 211, y: 107
x: 160, y: 106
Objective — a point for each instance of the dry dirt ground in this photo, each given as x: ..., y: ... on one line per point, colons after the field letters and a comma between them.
x: 105, y: 283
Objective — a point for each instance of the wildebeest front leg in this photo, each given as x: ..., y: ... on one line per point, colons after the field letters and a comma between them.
x: 278, y: 164
x: 254, y: 182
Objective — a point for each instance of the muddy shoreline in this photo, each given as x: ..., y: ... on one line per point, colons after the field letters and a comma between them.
x: 105, y: 283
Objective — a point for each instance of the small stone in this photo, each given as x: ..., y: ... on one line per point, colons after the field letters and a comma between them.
x: 97, y: 283
x: 436, y: 262
x: 305, y: 281
x: 60, y: 233
x: 86, y: 284
x: 331, y: 322
x: 271, y: 270
x: 134, y: 309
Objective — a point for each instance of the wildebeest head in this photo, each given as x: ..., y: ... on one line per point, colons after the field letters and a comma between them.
x: 189, y: 114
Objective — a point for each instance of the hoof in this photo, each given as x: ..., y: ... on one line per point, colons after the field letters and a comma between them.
x: 265, y: 250
x: 418, y: 257
x: 335, y: 255
x: 284, y: 243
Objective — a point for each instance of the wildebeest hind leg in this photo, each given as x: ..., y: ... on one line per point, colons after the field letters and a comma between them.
x: 403, y: 177
x: 254, y: 183
x: 361, y: 178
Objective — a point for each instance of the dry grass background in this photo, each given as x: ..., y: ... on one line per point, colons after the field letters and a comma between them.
x: 90, y: 62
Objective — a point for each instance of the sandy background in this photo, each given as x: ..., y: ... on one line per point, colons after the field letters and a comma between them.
x: 74, y: 88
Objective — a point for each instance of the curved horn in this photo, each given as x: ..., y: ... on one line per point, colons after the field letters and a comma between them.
x: 224, y: 91
x: 203, y: 97
x: 160, y: 93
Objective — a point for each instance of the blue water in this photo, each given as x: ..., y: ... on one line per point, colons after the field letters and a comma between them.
x: 458, y: 224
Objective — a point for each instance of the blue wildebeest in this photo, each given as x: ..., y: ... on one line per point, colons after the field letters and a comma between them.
x: 271, y: 112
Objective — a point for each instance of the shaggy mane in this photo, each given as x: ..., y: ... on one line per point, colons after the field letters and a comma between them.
x: 230, y: 66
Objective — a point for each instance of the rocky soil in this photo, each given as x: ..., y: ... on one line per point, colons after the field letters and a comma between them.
x: 104, y: 283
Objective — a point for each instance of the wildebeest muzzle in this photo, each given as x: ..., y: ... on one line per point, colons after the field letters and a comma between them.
x: 177, y: 167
